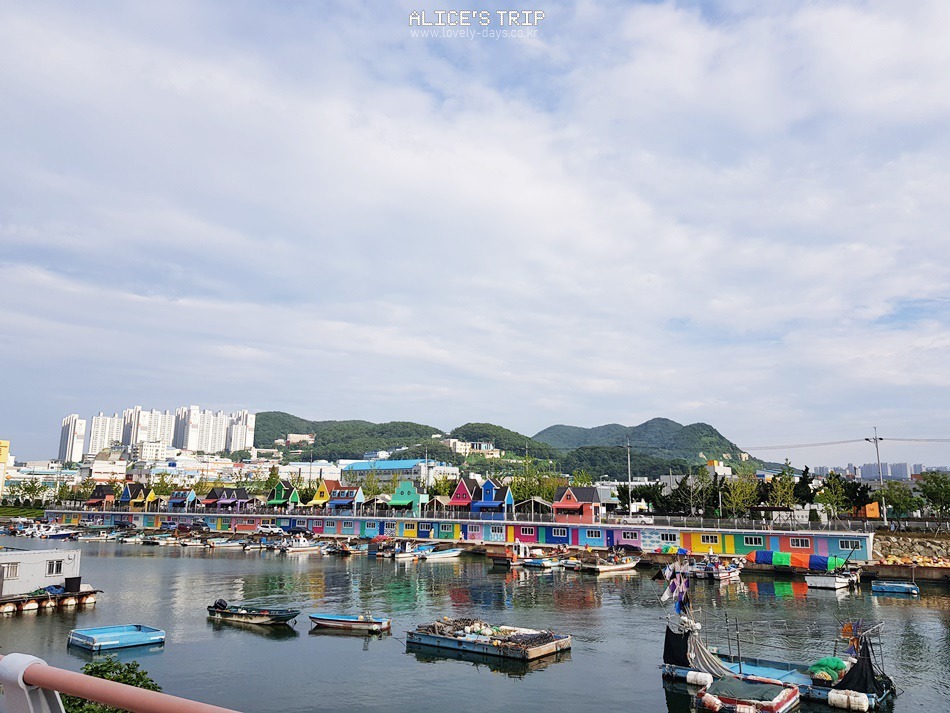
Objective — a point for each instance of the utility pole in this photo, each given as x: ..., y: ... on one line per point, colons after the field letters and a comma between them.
x: 629, y: 483
x: 880, y: 473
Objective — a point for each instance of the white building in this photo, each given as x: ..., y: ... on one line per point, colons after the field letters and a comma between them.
x: 72, y: 436
x: 241, y: 431
x: 140, y: 425
x: 104, y: 432
x: 104, y: 467
x: 197, y: 430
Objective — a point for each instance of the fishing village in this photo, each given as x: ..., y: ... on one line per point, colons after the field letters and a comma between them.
x: 579, y: 532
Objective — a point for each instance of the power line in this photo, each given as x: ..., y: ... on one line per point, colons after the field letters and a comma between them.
x: 838, y: 443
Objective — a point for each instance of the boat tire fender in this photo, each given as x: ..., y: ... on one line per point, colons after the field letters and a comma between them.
x: 699, y: 678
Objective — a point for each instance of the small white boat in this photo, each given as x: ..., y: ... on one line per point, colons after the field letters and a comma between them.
x: 220, y: 543
x: 361, y: 622
x: 442, y: 554
x: 299, y: 543
x: 192, y: 542
x: 612, y: 564
x: 832, y: 580
x: 542, y: 562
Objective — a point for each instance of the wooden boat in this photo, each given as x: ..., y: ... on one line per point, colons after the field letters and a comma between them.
x: 449, y: 554
x: 103, y: 638
x: 251, y: 615
x: 889, y: 587
x: 728, y: 573
x: 611, y: 564
x: 512, y: 556
x: 351, y: 622
x: 474, y: 636
x: 192, y: 542
x: 224, y: 543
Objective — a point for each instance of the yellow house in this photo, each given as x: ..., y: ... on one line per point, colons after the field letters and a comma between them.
x: 322, y: 496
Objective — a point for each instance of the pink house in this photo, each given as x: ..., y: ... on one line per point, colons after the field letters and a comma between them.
x: 577, y: 504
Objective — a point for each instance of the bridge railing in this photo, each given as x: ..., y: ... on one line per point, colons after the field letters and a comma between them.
x: 30, y: 685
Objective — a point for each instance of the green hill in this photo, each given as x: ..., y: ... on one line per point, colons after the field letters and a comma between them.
x: 658, y: 437
x: 512, y: 442
x: 340, y: 439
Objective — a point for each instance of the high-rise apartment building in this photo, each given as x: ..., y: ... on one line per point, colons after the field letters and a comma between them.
x: 241, y: 432
x: 211, y: 432
x: 72, y: 436
x: 104, y: 432
x: 140, y: 425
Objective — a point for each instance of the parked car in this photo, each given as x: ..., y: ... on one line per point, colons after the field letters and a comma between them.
x: 269, y: 530
x: 168, y: 526
x: 637, y: 520
x: 123, y: 526
x: 200, y: 527
x: 299, y: 531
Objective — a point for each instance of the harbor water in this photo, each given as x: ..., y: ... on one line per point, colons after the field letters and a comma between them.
x: 617, y: 622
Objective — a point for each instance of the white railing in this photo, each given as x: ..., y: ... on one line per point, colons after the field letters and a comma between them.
x: 32, y: 686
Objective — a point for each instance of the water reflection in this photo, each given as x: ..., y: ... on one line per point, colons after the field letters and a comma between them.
x: 276, y: 632
x: 497, y: 664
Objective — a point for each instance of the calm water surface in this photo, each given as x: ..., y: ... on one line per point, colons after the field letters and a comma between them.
x: 617, y: 623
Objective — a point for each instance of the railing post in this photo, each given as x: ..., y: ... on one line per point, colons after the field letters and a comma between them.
x: 20, y: 697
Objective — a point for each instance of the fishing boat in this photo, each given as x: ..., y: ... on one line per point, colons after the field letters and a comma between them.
x: 251, y: 615
x: 299, y: 543
x: 512, y: 556
x: 448, y: 554
x: 158, y: 540
x: 542, y: 562
x: 103, y: 638
x: 192, y: 542
x: 889, y: 587
x: 833, y: 580
x: 253, y: 545
x: 857, y: 683
x: 475, y: 636
x: 223, y: 543
x: 351, y: 622
x: 613, y: 563
x: 53, y: 531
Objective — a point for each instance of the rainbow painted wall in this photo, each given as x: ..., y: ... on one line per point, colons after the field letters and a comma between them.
x: 647, y: 537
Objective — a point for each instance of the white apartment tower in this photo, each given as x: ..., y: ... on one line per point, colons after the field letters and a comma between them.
x: 154, y: 425
x: 105, y: 431
x: 210, y: 432
x: 241, y: 432
x: 72, y: 436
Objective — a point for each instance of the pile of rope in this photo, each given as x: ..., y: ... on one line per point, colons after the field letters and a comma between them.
x: 531, y: 640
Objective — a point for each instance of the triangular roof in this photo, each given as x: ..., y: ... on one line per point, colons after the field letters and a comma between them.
x: 132, y: 492
x: 582, y: 494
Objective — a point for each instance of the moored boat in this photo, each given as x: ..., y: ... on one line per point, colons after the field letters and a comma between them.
x: 542, y: 562
x: 251, y: 615
x: 613, y: 563
x: 351, y: 622
x: 832, y: 580
x: 103, y: 638
x: 475, y: 636
x: 888, y: 587
x: 748, y: 693
x: 448, y: 554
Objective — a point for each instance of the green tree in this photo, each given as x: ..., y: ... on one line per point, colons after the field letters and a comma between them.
x: 804, y: 495
x: 163, y: 486
x: 783, y: 491
x: 740, y: 494
x: 34, y: 490
x: 111, y: 670
x: 935, y: 487
x: 581, y: 477
x: 832, y: 495
x: 371, y: 487
x: 856, y: 494
x: 273, y: 478
x: 85, y: 488
x: 898, y: 498
x: 238, y: 456
x: 441, y: 485
x: 391, y: 486
x: 64, y: 493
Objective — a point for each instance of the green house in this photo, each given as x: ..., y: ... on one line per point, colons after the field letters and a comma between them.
x: 283, y: 495
x: 408, y: 499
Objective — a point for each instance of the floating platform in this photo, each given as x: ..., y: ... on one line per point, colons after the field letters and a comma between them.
x: 475, y: 636
x: 103, y: 638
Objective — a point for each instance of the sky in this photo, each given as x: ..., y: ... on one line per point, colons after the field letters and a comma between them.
x: 731, y: 213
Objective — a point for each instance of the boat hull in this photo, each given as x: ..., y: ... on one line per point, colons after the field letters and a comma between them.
x: 244, y: 615
x: 351, y: 623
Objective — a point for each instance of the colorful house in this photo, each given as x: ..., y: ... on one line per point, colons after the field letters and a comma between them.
x: 102, y: 496
x: 283, y: 495
x: 213, y: 497
x: 408, y: 499
x: 496, y: 501
x: 137, y: 496
x: 346, y: 499
x: 235, y: 498
x: 322, y: 495
x: 577, y: 504
x: 467, y: 491
x: 182, y: 500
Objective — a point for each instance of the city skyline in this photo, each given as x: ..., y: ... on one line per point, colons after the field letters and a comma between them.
x: 721, y: 213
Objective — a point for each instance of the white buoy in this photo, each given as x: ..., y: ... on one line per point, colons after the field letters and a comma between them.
x: 29, y: 605
x: 67, y: 602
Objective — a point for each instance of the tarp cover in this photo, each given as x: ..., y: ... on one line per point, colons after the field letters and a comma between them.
x: 862, y: 677
x: 780, y: 559
x: 738, y: 689
x: 675, y: 647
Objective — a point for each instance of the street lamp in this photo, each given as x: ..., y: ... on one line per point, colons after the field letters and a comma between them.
x: 880, y: 473
x: 629, y: 483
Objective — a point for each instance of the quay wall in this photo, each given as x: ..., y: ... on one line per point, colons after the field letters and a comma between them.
x: 649, y: 538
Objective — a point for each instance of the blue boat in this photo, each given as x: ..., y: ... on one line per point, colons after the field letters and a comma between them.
x: 103, y: 638
x: 889, y: 587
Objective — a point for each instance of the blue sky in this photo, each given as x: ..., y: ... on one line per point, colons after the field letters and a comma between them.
x: 731, y: 214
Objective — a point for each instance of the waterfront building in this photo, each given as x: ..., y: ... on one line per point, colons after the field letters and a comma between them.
x: 25, y: 571
x: 346, y: 499
x: 409, y: 499
x: 467, y: 491
x: 322, y: 494
x: 102, y: 497
x: 182, y: 500
x: 283, y: 495
x: 496, y: 500
x: 137, y: 496
x: 72, y: 437
x: 386, y: 470
x: 577, y: 504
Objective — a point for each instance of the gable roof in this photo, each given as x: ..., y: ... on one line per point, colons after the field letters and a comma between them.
x: 583, y: 494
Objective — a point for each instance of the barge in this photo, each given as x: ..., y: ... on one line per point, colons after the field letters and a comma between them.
x: 475, y: 636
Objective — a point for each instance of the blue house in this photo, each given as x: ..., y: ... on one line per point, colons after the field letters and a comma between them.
x: 346, y: 500
x: 496, y: 501
x: 182, y: 500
